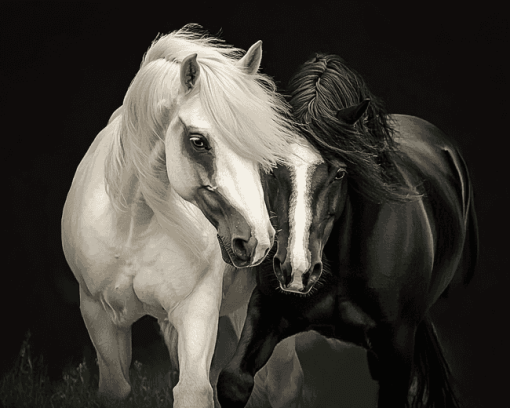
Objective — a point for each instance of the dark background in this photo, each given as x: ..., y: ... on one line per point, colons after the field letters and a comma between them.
x: 65, y: 68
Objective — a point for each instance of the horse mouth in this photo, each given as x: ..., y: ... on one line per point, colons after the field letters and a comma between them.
x: 226, y: 252
x: 296, y: 291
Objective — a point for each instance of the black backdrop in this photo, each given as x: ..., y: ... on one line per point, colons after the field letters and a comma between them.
x: 65, y: 67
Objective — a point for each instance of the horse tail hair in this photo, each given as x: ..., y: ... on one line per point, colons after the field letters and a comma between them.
x: 433, y: 382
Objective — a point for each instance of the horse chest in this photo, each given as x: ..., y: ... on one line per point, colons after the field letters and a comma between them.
x: 166, y: 274
x: 120, y: 301
x: 316, y: 310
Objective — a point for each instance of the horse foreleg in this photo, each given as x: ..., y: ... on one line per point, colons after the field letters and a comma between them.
x: 260, y: 335
x: 390, y: 362
x: 113, y: 347
x: 229, y: 333
x: 196, y: 322
x: 282, y: 376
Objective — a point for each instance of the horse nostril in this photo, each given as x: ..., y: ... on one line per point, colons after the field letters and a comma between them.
x: 243, y: 249
x: 239, y: 248
x: 288, y: 279
x: 316, y: 272
x: 281, y: 272
x: 305, y: 278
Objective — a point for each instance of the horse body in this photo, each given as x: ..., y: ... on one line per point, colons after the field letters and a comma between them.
x: 369, y: 271
x: 386, y: 242
x: 165, y: 196
x: 132, y: 267
x: 448, y: 209
x: 128, y: 256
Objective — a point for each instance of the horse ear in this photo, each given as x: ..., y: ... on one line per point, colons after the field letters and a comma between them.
x: 190, y: 72
x: 251, y: 60
x: 352, y: 114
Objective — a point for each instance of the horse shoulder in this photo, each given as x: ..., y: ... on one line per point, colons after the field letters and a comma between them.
x: 401, y: 236
x: 432, y: 163
x: 89, y: 225
x: 433, y: 160
x: 167, y: 271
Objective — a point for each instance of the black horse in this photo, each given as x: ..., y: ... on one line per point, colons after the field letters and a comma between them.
x: 375, y: 223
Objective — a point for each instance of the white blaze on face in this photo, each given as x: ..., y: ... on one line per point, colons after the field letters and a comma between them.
x: 239, y: 181
x: 304, y: 161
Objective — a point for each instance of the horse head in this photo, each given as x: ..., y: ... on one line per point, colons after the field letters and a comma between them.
x: 208, y: 123
x: 207, y: 171
x: 308, y: 196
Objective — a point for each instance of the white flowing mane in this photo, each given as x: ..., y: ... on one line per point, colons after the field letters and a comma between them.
x: 244, y: 108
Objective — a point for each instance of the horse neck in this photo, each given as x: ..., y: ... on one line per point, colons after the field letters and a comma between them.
x: 341, y: 236
x: 357, y: 215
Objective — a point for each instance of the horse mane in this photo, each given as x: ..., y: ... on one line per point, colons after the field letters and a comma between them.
x: 245, y: 109
x: 322, y: 86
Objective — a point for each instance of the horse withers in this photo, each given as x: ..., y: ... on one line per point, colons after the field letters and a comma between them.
x: 375, y: 221
x: 166, y: 194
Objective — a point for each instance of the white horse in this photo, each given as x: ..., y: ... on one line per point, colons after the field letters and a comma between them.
x: 166, y: 193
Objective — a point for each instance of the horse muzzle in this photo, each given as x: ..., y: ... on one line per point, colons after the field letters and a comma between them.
x: 240, y: 245
x: 242, y: 253
x: 296, y: 281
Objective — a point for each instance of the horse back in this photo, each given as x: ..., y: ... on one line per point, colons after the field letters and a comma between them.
x: 441, y: 175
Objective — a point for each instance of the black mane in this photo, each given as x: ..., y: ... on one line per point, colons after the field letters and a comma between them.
x: 324, y: 85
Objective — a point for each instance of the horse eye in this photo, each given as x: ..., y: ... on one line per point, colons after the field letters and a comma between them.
x: 198, y: 143
x: 340, y: 174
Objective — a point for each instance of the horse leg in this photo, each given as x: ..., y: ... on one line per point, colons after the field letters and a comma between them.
x: 282, y: 372
x: 196, y: 321
x: 226, y: 343
x: 261, y: 334
x: 373, y: 365
x: 390, y: 362
x: 113, y: 347
x: 229, y: 331
x: 282, y: 376
x: 170, y: 336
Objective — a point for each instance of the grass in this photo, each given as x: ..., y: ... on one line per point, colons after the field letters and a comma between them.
x: 27, y: 385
